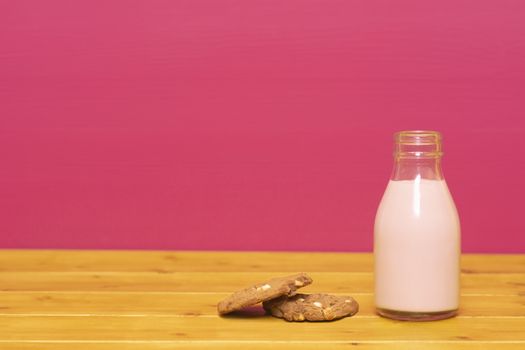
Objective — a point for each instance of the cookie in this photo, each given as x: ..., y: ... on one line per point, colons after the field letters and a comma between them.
x: 274, y: 288
x: 312, y: 307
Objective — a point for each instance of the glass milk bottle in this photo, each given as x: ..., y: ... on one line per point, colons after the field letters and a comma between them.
x: 417, y: 235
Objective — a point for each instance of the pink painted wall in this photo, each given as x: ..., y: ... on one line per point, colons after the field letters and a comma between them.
x: 255, y: 124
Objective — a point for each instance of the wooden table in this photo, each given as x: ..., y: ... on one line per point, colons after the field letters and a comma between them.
x: 135, y: 300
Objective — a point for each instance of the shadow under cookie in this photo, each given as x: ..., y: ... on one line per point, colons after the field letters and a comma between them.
x: 254, y: 311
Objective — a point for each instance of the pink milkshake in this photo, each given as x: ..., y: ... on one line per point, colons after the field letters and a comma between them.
x: 417, y: 235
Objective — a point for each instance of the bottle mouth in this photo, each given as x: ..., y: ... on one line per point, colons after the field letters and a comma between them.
x: 417, y: 137
x: 417, y: 144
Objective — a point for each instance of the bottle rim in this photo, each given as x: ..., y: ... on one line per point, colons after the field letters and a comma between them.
x: 417, y: 144
x: 418, y: 137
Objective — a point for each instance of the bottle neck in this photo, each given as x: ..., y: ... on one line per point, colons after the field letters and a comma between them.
x: 414, y: 168
x: 417, y: 155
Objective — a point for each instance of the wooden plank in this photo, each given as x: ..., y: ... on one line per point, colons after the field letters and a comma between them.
x: 340, y: 282
x: 173, y: 261
x: 493, y: 263
x: 169, y: 345
x: 166, y: 261
x: 242, y: 328
x: 201, y: 305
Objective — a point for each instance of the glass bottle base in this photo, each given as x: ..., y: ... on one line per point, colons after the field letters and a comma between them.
x: 416, y: 316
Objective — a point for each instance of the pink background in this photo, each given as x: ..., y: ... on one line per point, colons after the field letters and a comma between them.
x: 261, y: 125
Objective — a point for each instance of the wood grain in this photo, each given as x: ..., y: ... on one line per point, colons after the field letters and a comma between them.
x: 166, y: 300
x: 169, y: 261
x: 235, y: 345
x: 250, y: 328
x: 340, y: 282
x: 139, y: 304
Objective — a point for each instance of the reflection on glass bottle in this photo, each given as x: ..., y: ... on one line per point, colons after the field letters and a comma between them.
x: 417, y: 235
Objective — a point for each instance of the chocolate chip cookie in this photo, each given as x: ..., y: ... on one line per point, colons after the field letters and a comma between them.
x: 312, y: 307
x: 274, y: 288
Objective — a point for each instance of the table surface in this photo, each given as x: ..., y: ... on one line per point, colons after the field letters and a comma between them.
x: 105, y: 300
